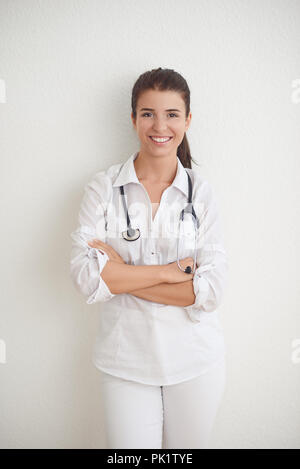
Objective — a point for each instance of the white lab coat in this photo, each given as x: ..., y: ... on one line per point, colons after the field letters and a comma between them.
x: 137, y: 339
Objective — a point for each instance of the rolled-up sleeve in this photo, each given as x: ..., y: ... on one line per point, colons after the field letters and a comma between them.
x: 87, y: 263
x: 210, y: 277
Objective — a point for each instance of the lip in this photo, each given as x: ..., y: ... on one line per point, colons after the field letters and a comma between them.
x: 160, y: 144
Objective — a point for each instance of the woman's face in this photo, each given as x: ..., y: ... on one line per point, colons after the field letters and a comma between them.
x: 160, y: 114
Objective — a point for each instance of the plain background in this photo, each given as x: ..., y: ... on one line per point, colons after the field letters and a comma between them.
x: 67, y: 69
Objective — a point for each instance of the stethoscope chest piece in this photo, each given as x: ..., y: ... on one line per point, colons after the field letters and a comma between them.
x: 130, y: 234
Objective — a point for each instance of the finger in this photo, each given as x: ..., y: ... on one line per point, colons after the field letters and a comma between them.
x: 97, y: 241
x: 105, y: 247
x: 93, y: 244
x: 102, y: 245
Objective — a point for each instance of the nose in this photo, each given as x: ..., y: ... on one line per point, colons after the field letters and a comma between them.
x: 159, y: 125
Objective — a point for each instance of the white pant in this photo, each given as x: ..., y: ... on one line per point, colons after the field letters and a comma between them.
x: 175, y: 416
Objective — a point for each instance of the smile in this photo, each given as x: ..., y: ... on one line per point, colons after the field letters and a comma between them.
x: 160, y: 141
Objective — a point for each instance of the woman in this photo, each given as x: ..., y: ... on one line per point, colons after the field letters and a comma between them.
x: 160, y: 347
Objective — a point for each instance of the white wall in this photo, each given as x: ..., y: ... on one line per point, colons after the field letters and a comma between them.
x: 68, y: 68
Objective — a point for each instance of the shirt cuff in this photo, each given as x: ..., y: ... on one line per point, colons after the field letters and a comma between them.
x: 102, y: 292
x: 86, y: 267
x: 201, y: 291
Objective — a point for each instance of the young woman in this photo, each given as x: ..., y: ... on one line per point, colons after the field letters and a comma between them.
x: 149, y: 249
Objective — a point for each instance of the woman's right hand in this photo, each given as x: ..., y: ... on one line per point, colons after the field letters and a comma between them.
x: 175, y: 275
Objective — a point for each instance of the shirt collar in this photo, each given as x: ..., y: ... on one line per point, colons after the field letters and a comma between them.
x: 128, y: 174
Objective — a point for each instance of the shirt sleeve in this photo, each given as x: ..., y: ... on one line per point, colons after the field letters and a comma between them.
x: 210, y: 276
x: 87, y: 263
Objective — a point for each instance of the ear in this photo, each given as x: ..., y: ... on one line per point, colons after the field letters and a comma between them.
x: 188, y: 121
x: 133, y: 120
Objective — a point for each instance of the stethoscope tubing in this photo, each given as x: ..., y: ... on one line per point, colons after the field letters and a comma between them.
x: 133, y: 234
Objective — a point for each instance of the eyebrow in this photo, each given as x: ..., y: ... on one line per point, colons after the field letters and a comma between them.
x: 149, y: 109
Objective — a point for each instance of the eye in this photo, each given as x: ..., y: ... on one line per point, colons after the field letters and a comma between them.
x: 171, y: 114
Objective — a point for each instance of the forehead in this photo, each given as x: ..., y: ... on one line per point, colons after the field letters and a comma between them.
x: 160, y: 99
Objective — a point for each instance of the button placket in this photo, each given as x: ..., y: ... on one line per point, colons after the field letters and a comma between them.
x: 153, y: 253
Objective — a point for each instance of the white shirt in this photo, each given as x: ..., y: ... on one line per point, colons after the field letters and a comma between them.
x: 137, y: 339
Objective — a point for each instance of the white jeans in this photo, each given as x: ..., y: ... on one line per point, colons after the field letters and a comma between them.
x: 175, y: 416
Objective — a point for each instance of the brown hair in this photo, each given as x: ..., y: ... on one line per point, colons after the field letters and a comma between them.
x: 163, y: 79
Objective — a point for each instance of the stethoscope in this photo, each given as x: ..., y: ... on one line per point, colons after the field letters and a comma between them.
x: 133, y: 234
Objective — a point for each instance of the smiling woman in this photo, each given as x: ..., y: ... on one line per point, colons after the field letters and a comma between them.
x: 159, y: 347
x: 161, y: 126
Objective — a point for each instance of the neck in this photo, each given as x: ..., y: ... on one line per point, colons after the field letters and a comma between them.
x: 155, y: 169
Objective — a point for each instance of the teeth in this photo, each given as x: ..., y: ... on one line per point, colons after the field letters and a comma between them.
x: 161, y: 139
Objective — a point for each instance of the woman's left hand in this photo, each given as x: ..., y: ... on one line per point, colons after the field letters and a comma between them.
x: 101, y: 246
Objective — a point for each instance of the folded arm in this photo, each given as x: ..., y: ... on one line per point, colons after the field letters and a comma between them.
x: 123, y: 278
x: 178, y: 294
